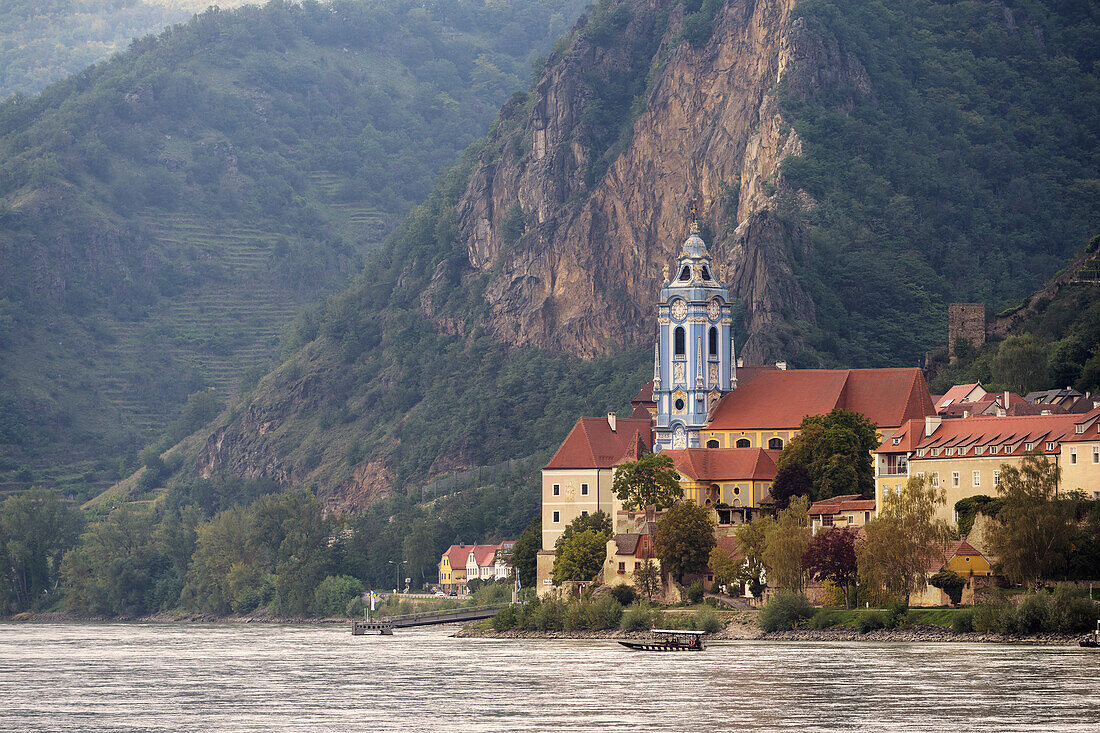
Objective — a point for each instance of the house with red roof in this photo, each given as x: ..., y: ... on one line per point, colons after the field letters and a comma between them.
x: 962, y: 558
x: 849, y: 510
x: 462, y: 563
x: 733, y: 481
x: 965, y: 456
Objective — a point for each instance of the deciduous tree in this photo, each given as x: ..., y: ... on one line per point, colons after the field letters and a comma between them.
x: 831, y: 556
x: 647, y: 578
x: 683, y: 539
x: 525, y: 552
x: 580, y: 551
x: 835, y: 450
x: 904, y: 540
x: 725, y: 567
x: 791, y: 480
x: 1031, y: 538
x: 950, y: 583
x: 649, y: 481
x: 751, y: 541
x: 785, y: 542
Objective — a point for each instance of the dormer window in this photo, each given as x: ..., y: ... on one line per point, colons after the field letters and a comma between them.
x: 1050, y: 446
x: 993, y: 450
x: 1080, y: 429
x: 1029, y: 446
x: 685, y: 274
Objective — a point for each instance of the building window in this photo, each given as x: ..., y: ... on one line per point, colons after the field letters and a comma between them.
x: 993, y: 450
x: 685, y: 274
x: 706, y: 273
x: 584, y: 489
x: 1096, y: 454
x: 827, y: 520
x: 1073, y: 456
x: 744, y: 443
x: 955, y: 479
x: 1029, y: 446
x: 712, y: 443
x: 712, y: 341
x: 557, y: 489
x: 679, y: 404
x: 936, y: 478
x: 851, y: 519
x: 557, y: 517
x: 584, y: 513
x: 1050, y: 446
x: 622, y: 568
x: 637, y: 565
x: 678, y: 341
x: 775, y: 444
x: 977, y: 478
x: 736, y: 490
x: 996, y: 478
x: 866, y: 516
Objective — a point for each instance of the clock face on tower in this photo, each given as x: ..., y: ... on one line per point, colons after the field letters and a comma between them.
x: 714, y: 309
x: 679, y: 309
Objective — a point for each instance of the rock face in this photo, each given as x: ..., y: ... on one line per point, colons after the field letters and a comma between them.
x: 585, y: 274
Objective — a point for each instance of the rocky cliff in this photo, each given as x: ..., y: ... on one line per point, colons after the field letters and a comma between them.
x: 585, y: 274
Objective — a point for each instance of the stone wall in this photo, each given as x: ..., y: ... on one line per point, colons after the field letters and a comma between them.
x: 965, y: 321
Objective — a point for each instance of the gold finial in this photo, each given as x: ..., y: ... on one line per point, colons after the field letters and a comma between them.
x: 694, y: 228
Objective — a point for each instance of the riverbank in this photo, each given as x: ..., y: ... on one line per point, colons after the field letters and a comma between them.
x: 747, y: 632
x: 258, y: 617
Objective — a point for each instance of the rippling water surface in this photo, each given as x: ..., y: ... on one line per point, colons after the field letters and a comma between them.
x: 68, y: 677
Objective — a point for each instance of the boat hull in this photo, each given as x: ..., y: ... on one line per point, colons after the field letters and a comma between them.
x: 649, y: 646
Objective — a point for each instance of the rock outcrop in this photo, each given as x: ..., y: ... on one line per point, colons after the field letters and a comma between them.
x: 585, y: 274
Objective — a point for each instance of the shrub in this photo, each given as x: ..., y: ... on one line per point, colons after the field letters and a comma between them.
x: 606, y: 613
x: 624, y: 594
x: 707, y: 620
x: 695, y: 592
x: 963, y: 621
x: 574, y: 617
x: 897, y: 614
x: 333, y: 594
x: 1031, y: 614
x: 506, y: 618
x: 825, y: 618
x: 872, y: 621
x: 636, y: 618
x: 785, y: 611
x: 994, y: 616
x: 548, y: 616
x: 1070, y: 611
x: 950, y: 583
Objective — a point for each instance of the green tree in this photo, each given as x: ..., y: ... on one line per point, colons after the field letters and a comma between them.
x: 334, y: 593
x: 580, y: 557
x: 36, y: 529
x: 649, y: 481
x: 647, y: 578
x: 726, y: 568
x: 1031, y: 538
x: 950, y: 583
x: 683, y: 539
x: 831, y: 556
x: 791, y: 480
x: 1021, y: 364
x: 835, y: 450
x: 420, y: 550
x: 905, y: 540
x: 751, y: 541
x: 785, y: 542
x: 525, y: 552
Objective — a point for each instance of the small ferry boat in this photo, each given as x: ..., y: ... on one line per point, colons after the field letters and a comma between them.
x: 670, y: 640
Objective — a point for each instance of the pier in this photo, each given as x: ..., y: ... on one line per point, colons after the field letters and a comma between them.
x: 387, y: 624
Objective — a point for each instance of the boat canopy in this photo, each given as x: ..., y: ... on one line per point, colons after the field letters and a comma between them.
x: 678, y: 632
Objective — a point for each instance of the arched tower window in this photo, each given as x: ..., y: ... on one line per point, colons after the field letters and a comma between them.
x: 775, y: 444
x: 706, y: 273
x: 685, y: 274
x: 679, y: 337
x: 744, y: 443
x: 712, y: 341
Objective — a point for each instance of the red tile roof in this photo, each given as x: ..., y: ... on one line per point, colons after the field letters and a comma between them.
x: 724, y: 464
x: 956, y: 394
x: 964, y: 435
x: 483, y: 554
x: 774, y: 399
x: 952, y: 549
x: 456, y: 556
x: 845, y: 503
x: 732, y: 546
x: 592, y: 444
x: 645, y: 394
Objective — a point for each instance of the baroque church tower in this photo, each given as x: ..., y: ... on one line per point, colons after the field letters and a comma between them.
x: 694, y: 356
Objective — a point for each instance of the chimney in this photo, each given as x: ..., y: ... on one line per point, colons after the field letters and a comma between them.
x: 611, y: 420
x: 966, y: 414
x: 931, y: 424
x: 781, y: 366
x: 1006, y: 399
x: 740, y: 362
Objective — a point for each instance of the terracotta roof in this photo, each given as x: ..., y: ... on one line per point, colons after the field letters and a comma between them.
x: 730, y: 545
x: 484, y: 555
x: 777, y: 399
x: 844, y: 503
x: 1089, y: 424
x: 964, y: 435
x: 457, y: 554
x: 645, y: 394
x: 641, y: 413
x: 956, y: 394
x: 592, y: 444
x: 952, y: 549
x: 724, y: 464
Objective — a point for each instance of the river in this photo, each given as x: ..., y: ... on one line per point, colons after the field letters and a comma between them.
x: 182, y: 677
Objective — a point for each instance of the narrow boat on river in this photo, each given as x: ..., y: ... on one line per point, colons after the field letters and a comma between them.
x: 670, y: 640
x: 1092, y: 639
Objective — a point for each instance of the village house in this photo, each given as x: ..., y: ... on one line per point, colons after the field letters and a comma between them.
x: 462, y: 563
x: 626, y: 553
x: 849, y: 510
x: 964, y: 560
x: 965, y: 456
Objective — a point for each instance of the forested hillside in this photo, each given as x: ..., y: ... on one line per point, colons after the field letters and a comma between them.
x: 912, y: 154
x: 42, y: 41
x: 166, y: 212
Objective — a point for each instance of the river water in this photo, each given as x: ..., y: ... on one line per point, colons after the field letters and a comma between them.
x: 180, y: 677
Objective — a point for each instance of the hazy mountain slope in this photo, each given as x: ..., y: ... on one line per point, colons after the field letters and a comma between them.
x: 42, y: 41
x: 839, y: 214
x: 165, y: 213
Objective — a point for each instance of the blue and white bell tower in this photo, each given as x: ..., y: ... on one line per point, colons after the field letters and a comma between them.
x: 693, y: 360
